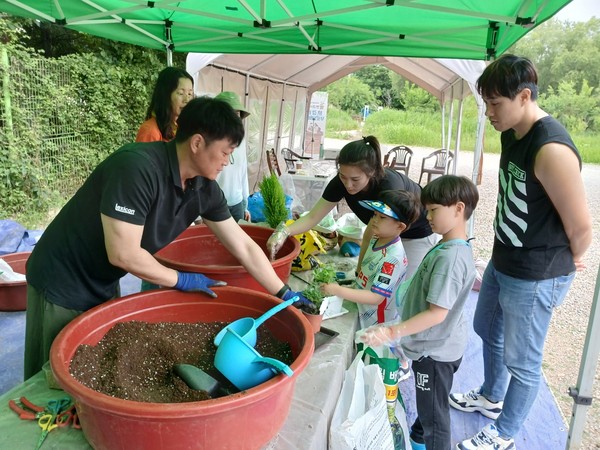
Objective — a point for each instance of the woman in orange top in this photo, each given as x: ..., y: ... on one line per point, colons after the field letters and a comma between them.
x: 173, y: 90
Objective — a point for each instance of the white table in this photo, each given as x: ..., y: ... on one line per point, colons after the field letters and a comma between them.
x: 310, y: 181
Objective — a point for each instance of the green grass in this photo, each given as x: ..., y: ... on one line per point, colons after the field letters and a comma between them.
x: 340, y: 124
x: 424, y: 129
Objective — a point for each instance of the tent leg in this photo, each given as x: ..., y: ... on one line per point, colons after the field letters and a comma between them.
x: 582, y: 393
x: 169, y: 57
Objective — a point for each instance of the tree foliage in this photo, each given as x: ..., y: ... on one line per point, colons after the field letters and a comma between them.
x: 379, y: 79
x: 59, y: 117
x: 567, y: 58
x: 350, y: 94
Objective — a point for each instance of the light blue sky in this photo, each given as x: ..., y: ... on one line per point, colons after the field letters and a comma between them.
x: 580, y: 10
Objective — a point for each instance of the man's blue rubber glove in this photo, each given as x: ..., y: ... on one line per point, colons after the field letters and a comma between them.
x: 302, y: 300
x: 189, y: 281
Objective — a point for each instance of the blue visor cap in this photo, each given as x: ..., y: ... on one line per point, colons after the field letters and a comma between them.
x: 380, y: 207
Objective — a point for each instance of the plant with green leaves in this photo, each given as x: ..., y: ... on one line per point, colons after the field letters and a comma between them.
x: 274, y: 199
x: 321, y: 275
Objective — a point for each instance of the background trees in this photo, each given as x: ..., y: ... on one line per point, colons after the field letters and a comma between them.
x: 567, y: 56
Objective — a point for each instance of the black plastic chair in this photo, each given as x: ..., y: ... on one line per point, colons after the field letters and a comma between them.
x: 291, y: 158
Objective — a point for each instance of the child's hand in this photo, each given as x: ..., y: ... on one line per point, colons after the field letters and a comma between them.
x: 378, y: 335
x: 329, y: 288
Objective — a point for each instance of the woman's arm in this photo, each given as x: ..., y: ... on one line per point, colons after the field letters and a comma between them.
x: 314, y: 216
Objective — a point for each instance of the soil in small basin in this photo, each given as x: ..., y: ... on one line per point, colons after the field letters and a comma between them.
x: 134, y: 360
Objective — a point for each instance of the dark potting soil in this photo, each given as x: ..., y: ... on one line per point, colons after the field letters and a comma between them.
x: 134, y: 360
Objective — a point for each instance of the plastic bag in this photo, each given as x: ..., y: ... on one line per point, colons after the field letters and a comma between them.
x: 389, y: 361
x: 256, y: 205
x: 360, y: 419
x: 310, y: 245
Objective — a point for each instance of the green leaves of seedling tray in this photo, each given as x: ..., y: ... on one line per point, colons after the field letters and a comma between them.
x: 323, y: 274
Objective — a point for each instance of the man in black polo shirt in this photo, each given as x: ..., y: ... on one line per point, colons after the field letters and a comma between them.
x: 133, y: 204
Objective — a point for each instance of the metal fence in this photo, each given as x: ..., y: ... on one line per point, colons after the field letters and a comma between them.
x: 39, y: 110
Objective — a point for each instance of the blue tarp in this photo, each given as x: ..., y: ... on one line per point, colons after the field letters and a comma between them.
x: 15, y: 238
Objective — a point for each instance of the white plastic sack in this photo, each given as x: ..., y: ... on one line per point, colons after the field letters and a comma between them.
x: 8, y: 274
x: 360, y: 420
x: 349, y: 225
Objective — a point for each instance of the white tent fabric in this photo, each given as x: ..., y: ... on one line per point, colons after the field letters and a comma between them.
x: 277, y: 88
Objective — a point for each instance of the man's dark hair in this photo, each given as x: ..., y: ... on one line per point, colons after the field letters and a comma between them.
x: 213, y: 119
x: 507, y: 76
x: 448, y: 190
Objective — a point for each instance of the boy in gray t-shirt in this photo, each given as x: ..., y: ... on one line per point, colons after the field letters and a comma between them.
x: 433, y: 331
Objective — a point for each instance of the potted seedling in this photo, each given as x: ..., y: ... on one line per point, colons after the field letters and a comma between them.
x: 314, y: 314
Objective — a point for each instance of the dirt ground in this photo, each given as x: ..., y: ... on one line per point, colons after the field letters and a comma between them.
x: 566, y: 337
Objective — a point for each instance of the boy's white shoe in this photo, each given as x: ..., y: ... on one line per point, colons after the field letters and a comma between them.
x: 473, y: 401
x: 487, y: 439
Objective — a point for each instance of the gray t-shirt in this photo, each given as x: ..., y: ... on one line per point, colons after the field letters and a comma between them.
x: 444, y: 278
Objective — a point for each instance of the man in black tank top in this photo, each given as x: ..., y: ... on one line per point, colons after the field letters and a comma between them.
x: 542, y: 230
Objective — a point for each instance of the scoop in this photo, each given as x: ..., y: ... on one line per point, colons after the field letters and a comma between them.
x: 246, y: 326
x: 241, y: 364
x: 197, y: 379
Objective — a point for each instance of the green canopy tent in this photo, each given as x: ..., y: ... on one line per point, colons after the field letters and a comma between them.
x: 456, y: 29
x: 473, y: 29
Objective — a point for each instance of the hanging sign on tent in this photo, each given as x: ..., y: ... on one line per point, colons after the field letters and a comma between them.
x: 315, y: 128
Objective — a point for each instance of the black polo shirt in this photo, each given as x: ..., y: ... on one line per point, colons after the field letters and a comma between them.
x: 335, y: 191
x: 138, y: 184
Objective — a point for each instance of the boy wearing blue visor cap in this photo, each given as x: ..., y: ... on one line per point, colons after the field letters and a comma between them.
x: 384, y: 265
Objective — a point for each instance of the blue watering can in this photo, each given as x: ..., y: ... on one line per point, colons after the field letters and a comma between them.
x: 246, y: 326
x: 241, y: 364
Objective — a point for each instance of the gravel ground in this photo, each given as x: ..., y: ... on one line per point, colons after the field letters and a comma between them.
x: 565, y: 341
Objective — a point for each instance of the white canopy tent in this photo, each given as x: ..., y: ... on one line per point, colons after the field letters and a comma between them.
x: 276, y: 89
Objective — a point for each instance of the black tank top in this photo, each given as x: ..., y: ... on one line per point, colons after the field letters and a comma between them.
x: 530, y: 240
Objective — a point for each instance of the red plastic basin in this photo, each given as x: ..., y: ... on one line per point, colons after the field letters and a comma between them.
x: 246, y: 420
x: 197, y: 249
x: 13, y: 294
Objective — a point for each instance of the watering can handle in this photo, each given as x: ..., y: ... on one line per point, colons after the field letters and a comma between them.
x: 258, y: 321
x: 275, y: 364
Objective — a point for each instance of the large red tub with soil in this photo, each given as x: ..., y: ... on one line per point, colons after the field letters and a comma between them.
x: 197, y: 249
x: 245, y: 420
x: 13, y: 294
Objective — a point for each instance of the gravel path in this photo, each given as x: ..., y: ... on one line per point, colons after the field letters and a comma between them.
x: 565, y: 341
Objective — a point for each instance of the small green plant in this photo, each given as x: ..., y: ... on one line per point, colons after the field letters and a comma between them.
x: 321, y: 275
x: 274, y: 198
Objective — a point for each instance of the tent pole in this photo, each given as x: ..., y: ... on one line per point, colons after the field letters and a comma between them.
x: 583, y: 392
x: 169, y: 57
x: 280, y: 120
x: 458, y: 128
x: 443, y: 120
x: 450, y: 121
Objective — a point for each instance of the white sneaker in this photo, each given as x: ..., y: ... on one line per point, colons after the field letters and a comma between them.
x: 473, y: 401
x: 487, y: 439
